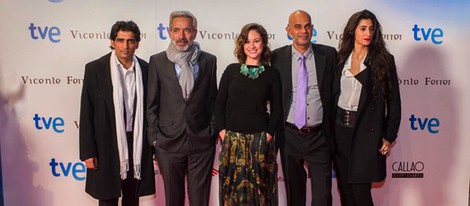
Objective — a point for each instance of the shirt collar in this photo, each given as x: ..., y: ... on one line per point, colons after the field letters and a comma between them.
x: 347, y: 64
x: 122, y: 68
x: 308, y: 54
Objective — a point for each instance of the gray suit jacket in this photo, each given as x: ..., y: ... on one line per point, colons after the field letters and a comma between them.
x: 171, y: 119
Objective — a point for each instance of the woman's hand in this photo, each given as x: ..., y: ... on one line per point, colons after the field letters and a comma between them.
x: 222, y: 135
x: 268, y: 137
x: 386, y: 147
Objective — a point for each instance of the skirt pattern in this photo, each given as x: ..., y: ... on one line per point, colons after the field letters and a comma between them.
x: 248, y: 170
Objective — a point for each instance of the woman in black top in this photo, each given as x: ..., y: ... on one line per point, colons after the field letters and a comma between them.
x: 368, y: 108
x: 248, y: 111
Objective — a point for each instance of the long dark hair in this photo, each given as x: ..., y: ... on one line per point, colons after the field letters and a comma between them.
x: 243, y: 37
x: 378, y: 57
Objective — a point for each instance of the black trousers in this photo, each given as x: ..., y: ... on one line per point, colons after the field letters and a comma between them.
x: 195, y: 166
x: 351, y: 194
x: 129, y: 185
x: 314, y: 150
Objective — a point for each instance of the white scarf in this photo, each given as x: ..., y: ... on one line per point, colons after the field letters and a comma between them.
x: 119, y: 113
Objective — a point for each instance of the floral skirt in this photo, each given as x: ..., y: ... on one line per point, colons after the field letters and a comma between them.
x: 248, y: 170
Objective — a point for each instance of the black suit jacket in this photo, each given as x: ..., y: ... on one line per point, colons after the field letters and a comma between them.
x: 171, y: 119
x: 325, y: 62
x: 376, y: 119
x: 98, y: 134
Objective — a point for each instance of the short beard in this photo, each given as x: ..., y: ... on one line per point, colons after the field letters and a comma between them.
x: 180, y: 48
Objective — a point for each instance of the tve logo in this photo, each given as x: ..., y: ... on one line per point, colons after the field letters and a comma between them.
x: 314, y: 35
x: 162, y: 31
x: 429, y: 124
x: 434, y: 34
x: 76, y: 170
x: 46, y: 123
x: 42, y: 32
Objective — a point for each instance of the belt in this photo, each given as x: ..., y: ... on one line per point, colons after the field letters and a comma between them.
x: 306, y: 129
x: 346, y: 118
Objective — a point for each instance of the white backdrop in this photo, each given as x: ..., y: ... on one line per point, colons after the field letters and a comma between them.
x: 46, y: 43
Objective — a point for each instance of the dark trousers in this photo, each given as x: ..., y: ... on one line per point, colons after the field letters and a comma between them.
x: 351, y: 194
x: 314, y: 150
x: 195, y: 166
x: 129, y: 185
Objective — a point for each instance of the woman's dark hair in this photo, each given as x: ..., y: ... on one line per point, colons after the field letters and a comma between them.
x: 243, y: 37
x: 378, y: 57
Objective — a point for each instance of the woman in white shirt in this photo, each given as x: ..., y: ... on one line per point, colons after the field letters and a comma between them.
x: 368, y: 108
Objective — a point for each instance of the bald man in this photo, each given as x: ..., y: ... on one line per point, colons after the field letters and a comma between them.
x: 307, y: 72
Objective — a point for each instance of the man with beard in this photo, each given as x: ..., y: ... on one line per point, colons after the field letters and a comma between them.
x: 180, y: 103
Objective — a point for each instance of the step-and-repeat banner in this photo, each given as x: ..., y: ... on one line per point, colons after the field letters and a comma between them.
x: 46, y: 43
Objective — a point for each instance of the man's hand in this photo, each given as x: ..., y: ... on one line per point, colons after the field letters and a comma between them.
x: 91, y: 163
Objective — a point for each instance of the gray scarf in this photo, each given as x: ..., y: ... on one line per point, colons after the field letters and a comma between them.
x: 185, y: 60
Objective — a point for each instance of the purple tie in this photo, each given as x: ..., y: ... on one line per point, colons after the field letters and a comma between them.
x: 300, y: 115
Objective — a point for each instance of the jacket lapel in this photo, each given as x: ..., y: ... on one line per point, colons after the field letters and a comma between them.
x: 286, y: 76
x: 364, y: 78
x: 337, y: 82
x: 169, y: 74
x: 104, y: 74
x: 201, y: 63
x: 320, y: 60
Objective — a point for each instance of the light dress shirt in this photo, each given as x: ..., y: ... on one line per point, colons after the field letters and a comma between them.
x: 128, y: 90
x: 350, y: 87
x: 314, y: 104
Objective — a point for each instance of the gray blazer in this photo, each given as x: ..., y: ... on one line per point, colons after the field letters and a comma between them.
x: 171, y: 118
